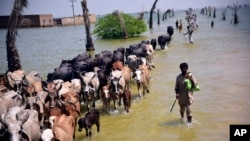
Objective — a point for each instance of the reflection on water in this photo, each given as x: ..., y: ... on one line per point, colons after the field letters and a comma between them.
x: 219, y: 59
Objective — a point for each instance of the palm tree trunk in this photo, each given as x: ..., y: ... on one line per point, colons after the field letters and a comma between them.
x: 158, y: 17
x: 89, y: 42
x: 122, y: 24
x: 13, y: 58
x: 151, y: 15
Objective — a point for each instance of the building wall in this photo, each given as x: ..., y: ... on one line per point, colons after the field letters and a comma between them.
x: 46, y: 20
x: 78, y: 20
x: 30, y: 20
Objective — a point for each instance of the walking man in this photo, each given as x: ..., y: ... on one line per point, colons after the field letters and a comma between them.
x: 185, y: 82
x: 190, y: 34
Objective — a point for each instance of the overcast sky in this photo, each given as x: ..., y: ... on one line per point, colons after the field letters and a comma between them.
x: 63, y: 8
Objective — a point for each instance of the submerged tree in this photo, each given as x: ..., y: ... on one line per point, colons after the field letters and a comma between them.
x: 151, y: 15
x: 158, y: 17
x: 13, y: 57
x: 122, y: 23
x: 214, y: 15
x: 235, y: 7
x: 224, y: 15
x: 89, y: 42
x: 109, y: 26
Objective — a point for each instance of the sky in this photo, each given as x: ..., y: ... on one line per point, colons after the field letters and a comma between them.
x: 63, y: 8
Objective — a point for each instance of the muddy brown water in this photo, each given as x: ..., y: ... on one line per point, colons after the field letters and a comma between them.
x: 219, y: 59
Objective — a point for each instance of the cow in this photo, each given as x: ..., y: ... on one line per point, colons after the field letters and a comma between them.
x: 65, y: 72
x: 117, y: 83
x: 107, y: 96
x: 137, y: 49
x: 153, y: 42
x: 150, y: 52
x: 32, y: 77
x: 127, y: 100
x: 118, y: 56
x: 47, y: 135
x: 163, y: 40
x: 34, y: 88
x: 21, y: 124
x: 170, y: 30
x: 117, y: 65
x: 70, y: 105
x: 38, y: 103
x: 90, y: 85
x: 142, y: 78
x: 91, y: 117
x: 126, y: 72
x: 70, y: 86
x: 105, y: 62
x: 103, y: 79
x: 147, y: 63
x: 63, y: 128
x: 133, y: 63
x: 8, y: 100
x: 81, y: 57
x: 15, y: 80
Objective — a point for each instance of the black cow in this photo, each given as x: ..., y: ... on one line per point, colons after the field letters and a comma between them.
x: 170, y: 30
x: 163, y: 40
x: 66, y: 73
x: 153, y: 42
x: 92, y: 117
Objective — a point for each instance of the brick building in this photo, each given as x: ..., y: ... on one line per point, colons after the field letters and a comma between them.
x: 41, y: 20
x: 46, y: 20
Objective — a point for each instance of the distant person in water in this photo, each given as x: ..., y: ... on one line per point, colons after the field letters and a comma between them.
x: 177, y: 24
x: 212, y: 24
x: 180, y: 26
x: 190, y: 34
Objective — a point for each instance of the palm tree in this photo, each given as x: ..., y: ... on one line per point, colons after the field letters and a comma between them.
x: 235, y: 7
x: 122, y: 23
x: 89, y: 42
x: 151, y: 15
x: 13, y: 58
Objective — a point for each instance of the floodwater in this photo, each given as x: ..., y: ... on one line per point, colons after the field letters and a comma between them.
x: 219, y: 59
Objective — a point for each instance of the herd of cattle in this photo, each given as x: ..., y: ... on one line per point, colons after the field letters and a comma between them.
x: 34, y: 109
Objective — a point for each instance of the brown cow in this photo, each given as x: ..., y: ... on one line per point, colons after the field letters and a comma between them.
x: 126, y: 72
x: 127, y: 100
x: 106, y: 96
x: 142, y: 79
x: 34, y: 88
x: 70, y: 105
x: 63, y: 128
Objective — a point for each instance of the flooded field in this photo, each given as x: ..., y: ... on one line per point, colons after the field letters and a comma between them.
x: 219, y: 59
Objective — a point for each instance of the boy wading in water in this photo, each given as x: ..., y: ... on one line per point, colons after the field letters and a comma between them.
x: 184, y: 87
x: 190, y: 34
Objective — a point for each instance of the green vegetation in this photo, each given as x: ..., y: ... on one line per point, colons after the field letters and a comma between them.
x: 108, y: 27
